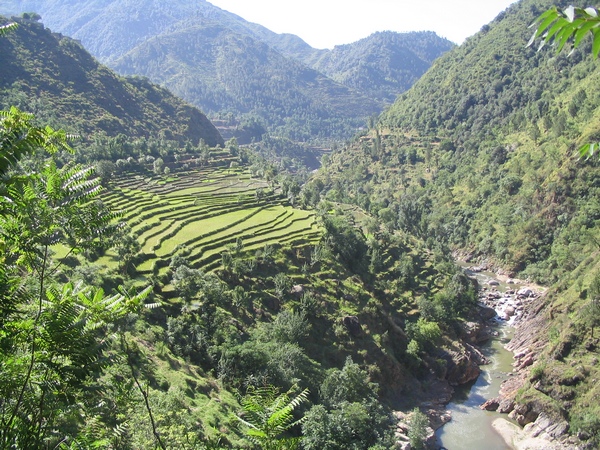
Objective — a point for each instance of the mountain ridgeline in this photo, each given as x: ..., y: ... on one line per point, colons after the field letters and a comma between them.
x: 382, y: 65
x: 230, y: 67
x: 54, y: 77
x: 219, y: 70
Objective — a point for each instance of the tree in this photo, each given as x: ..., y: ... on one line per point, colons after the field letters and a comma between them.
x: 591, y: 311
x: 54, y: 339
x: 571, y: 25
x: 187, y: 281
x: 417, y: 432
x: 350, y: 416
x: 350, y: 384
x: 158, y: 166
x: 269, y: 417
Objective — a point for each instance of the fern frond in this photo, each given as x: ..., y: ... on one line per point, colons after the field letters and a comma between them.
x: 7, y: 28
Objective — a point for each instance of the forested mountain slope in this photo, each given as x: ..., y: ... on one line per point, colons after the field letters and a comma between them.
x: 220, y: 70
x: 483, y: 150
x: 384, y: 64
x: 366, y: 74
x: 56, y: 78
x: 481, y: 154
x: 242, y: 290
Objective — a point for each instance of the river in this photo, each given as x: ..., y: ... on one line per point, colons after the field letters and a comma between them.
x: 471, y: 427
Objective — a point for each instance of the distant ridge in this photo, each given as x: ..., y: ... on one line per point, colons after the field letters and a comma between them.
x: 57, y: 78
x: 168, y: 42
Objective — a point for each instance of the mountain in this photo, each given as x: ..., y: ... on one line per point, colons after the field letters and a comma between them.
x: 244, y: 292
x: 168, y: 41
x: 211, y: 66
x: 383, y: 65
x: 480, y: 155
x: 56, y: 78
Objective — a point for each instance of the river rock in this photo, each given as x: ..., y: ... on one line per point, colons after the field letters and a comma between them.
x: 523, y: 415
x: 461, y: 368
x: 547, y: 428
x: 486, y: 313
x: 526, y: 362
x: 525, y: 292
x: 521, y: 409
x: 506, y: 405
x: 490, y: 405
x: 494, y: 295
x: 297, y: 290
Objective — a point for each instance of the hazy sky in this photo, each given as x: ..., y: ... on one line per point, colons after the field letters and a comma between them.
x: 325, y: 23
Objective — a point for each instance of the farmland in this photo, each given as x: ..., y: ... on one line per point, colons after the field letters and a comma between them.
x: 203, y: 213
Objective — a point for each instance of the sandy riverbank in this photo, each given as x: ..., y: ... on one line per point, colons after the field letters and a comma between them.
x: 517, y: 439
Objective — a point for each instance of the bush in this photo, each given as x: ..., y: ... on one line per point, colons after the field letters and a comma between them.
x: 417, y: 432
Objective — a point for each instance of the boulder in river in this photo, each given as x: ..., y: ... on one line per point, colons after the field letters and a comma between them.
x: 525, y: 292
x: 486, y: 313
x: 490, y: 405
x: 461, y: 367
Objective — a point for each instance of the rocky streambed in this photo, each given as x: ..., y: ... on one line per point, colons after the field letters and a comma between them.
x: 476, y: 370
x: 484, y: 414
x: 518, y: 305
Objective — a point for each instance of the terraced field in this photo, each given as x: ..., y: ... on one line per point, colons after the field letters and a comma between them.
x: 205, y: 211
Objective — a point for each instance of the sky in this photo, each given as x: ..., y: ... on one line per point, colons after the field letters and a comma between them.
x: 326, y: 23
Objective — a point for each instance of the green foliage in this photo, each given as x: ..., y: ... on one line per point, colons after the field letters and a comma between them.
x: 283, y: 284
x: 353, y: 426
x: 350, y: 416
x: 268, y: 415
x: 55, y: 341
x: 559, y: 27
x: 417, y: 432
x: 500, y: 194
x: 590, y: 313
x: 346, y: 241
x: 350, y: 384
x: 19, y: 137
x: 7, y: 28
x: 425, y: 334
x: 571, y: 25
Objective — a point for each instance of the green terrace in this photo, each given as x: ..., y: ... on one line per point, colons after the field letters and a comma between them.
x: 203, y: 212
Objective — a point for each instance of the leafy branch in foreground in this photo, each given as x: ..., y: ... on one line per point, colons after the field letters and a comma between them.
x: 55, y: 338
x: 571, y: 25
x: 7, y: 28
x: 269, y: 415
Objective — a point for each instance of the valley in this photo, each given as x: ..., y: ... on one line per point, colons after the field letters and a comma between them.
x: 167, y: 285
